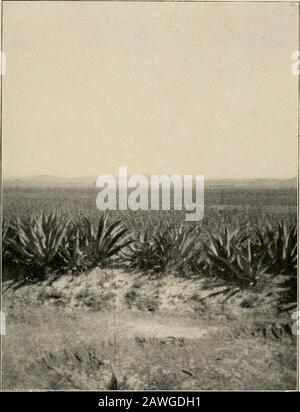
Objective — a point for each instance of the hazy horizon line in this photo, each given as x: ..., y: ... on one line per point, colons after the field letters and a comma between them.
x: 45, y: 175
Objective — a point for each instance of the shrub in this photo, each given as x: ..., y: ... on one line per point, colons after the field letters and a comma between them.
x: 77, y: 248
x: 36, y: 242
x: 160, y: 249
x: 5, y: 243
x: 233, y: 260
x: 110, y: 239
x: 279, y: 246
x: 83, y: 248
x: 279, y: 250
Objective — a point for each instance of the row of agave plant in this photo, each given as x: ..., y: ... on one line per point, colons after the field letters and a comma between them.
x: 47, y: 243
x: 50, y: 243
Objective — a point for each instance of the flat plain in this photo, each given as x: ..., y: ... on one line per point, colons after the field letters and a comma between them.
x: 158, y: 315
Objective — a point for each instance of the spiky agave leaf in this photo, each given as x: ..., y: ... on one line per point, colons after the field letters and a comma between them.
x: 250, y: 264
x: 145, y: 253
x: 110, y: 239
x: 184, y: 252
x: 37, y: 241
x: 77, y: 249
x: 221, y: 249
x: 162, y: 249
x: 234, y: 259
x: 279, y: 248
x: 6, y: 235
x: 148, y: 251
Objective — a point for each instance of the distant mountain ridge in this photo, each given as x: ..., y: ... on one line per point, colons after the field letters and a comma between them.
x: 44, y: 181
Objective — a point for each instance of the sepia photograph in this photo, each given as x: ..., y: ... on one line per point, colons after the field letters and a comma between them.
x: 149, y: 197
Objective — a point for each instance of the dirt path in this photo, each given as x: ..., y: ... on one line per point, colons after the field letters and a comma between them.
x: 89, y: 332
x: 52, y: 348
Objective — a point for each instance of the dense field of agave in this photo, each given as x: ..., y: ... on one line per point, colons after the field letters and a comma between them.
x: 233, y: 246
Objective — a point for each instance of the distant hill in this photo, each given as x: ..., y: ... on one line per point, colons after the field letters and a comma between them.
x: 254, y: 183
x: 49, y: 181
x: 44, y: 181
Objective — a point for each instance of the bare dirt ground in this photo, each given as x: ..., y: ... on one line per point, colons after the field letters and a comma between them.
x: 113, y: 330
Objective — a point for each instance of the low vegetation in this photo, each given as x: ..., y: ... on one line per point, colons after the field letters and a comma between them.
x: 47, y: 243
x: 142, y: 300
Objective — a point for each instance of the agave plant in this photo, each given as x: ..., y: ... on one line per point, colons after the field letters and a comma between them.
x: 110, y: 239
x: 221, y: 251
x: 234, y: 259
x: 37, y: 241
x: 279, y: 246
x: 6, y: 229
x: 145, y: 253
x: 250, y: 263
x: 83, y: 248
x: 181, y: 249
x: 168, y: 247
x: 77, y: 248
x: 279, y: 250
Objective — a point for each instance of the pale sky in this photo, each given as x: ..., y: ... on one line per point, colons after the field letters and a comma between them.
x: 175, y: 88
